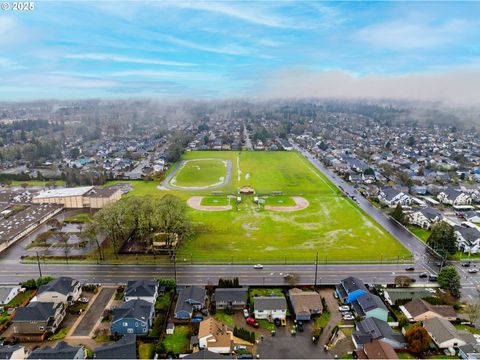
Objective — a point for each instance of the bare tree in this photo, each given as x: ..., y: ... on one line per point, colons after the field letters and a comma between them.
x: 472, y: 309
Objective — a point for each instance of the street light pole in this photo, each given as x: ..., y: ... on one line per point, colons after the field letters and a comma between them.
x: 38, y: 263
x: 175, y: 265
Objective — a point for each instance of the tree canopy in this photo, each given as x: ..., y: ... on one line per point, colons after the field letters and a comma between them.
x: 442, y: 239
x: 449, y: 279
x: 418, y: 339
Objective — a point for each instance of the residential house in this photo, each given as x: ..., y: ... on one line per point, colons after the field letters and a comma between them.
x: 369, y: 305
x: 392, y: 197
x: 469, y: 351
x: 231, y: 298
x: 12, y: 352
x: 305, y: 303
x: 443, y: 333
x: 61, y: 351
x: 376, y: 350
x: 270, y: 307
x: 454, y: 197
x: 397, y: 295
x: 215, y: 337
x: 38, y: 318
x: 146, y: 290
x: 350, y: 289
x: 125, y: 348
x: 468, y: 239
x: 133, y: 317
x: 371, y: 329
x: 420, y: 310
x: 63, y: 289
x: 472, y: 216
x: 205, y: 354
x: 7, y: 293
x: 189, y: 299
x: 424, y: 217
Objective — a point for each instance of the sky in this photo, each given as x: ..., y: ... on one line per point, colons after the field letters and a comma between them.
x: 232, y: 49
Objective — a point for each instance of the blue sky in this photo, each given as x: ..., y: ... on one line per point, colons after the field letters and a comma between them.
x: 232, y: 49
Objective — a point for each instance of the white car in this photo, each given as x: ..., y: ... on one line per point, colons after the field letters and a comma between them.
x: 473, y: 270
x: 258, y: 266
x: 245, y: 313
x: 348, y: 317
x: 344, y: 308
x: 239, y: 347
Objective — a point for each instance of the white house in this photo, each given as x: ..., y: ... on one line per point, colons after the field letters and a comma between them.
x: 146, y: 290
x: 392, y: 197
x: 443, y: 333
x: 270, y: 307
x: 424, y: 217
x: 7, y: 293
x: 468, y: 239
x: 60, y: 290
x: 454, y: 197
x: 472, y: 216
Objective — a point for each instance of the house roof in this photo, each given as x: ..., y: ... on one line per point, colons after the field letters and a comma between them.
x: 6, y: 351
x: 36, y: 311
x: 352, y: 284
x: 125, y: 348
x: 133, y: 309
x: 372, y: 328
x: 305, y: 301
x: 61, y: 351
x: 5, y: 291
x: 441, y: 329
x: 74, y: 191
x: 206, y: 354
x: 469, y: 234
x: 189, y: 295
x: 379, y: 350
x: 430, y: 213
x: 141, y: 288
x: 390, y: 192
x: 230, y: 294
x: 218, y: 333
x: 452, y: 193
x: 63, y: 285
x: 418, y: 307
x: 261, y: 303
x: 367, y: 302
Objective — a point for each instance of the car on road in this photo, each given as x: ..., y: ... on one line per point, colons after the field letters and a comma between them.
x: 466, y: 264
x: 344, y: 308
x: 258, y: 266
x: 245, y: 313
x: 410, y: 268
x: 432, y: 277
x: 423, y: 275
x: 473, y: 271
x: 251, y: 321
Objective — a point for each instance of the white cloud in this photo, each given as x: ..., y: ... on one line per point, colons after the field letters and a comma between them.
x: 405, y: 34
x: 124, y: 59
x: 461, y: 85
x: 228, y: 50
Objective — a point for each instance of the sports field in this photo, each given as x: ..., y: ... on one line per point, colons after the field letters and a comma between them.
x: 204, y: 172
x: 329, y: 223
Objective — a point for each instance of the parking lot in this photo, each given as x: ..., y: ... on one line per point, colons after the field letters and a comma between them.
x: 94, y: 312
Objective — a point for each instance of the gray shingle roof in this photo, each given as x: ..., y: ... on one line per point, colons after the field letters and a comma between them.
x: 134, y: 309
x: 141, y: 288
x: 36, y: 311
x: 231, y: 294
x: 189, y: 295
x: 368, y: 302
x: 61, y: 351
x: 125, y: 348
x: 373, y: 328
x: 441, y: 329
x: 63, y: 285
x: 352, y: 284
x: 262, y: 303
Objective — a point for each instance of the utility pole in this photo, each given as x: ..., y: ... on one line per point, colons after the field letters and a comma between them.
x: 38, y: 263
x: 316, y: 269
x: 175, y: 265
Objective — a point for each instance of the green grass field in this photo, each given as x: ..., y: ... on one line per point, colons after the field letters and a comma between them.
x: 200, y: 173
x: 332, y: 224
x: 214, y: 201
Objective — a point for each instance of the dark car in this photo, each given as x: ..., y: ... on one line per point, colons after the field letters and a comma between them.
x: 410, y: 268
x: 300, y: 326
x: 277, y: 322
x: 466, y: 264
x: 423, y: 275
x: 245, y: 356
x: 432, y: 278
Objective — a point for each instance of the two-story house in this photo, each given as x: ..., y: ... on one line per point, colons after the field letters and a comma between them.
x: 270, y: 307
x: 231, y: 298
x: 350, y: 289
x: 305, y: 303
x: 63, y: 289
x: 141, y: 290
x: 133, y: 317
x: 61, y: 351
x: 468, y: 239
x: 392, y: 197
x: 190, y: 299
x: 370, y: 305
x: 454, y: 197
x: 38, y: 318
x: 424, y: 217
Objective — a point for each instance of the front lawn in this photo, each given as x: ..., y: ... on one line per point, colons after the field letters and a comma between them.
x: 60, y: 334
x: 265, y: 324
x: 254, y: 292
x: 223, y: 317
x: 145, y: 351
x: 179, y: 341
x: 470, y: 329
x: 322, y: 320
x: 21, y: 298
x: 423, y: 234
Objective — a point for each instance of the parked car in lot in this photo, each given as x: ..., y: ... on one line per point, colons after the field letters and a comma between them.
x: 251, y: 321
x: 410, y: 268
x: 258, y: 266
x: 473, y: 270
x: 83, y: 300
x: 283, y: 322
x: 245, y: 313
x: 432, y: 277
x: 348, y: 317
x: 245, y: 356
x: 300, y: 326
x: 344, y: 308
x: 423, y: 275
x: 276, y: 321
x: 239, y: 347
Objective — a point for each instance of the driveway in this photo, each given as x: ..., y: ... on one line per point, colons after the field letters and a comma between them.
x: 335, y: 316
x: 94, y: 312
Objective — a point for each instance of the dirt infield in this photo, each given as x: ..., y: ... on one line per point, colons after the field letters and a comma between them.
x: 195, y: 203
x: 300, y: 204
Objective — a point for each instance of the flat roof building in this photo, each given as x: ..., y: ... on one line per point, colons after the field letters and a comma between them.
x: 79, y: 197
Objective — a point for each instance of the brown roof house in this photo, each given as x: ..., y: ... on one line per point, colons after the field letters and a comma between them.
x: 305, y: 303
x: 377, y: 350
x: 420, y: 310
x: 216, y: 337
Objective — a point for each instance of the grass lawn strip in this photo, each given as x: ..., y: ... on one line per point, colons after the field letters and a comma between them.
x: 221, y: 316
x: 21, y: 298
x: 199, y: 173
x: 179, y: 341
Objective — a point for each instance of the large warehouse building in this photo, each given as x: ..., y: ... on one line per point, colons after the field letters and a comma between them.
x: 79, y: 197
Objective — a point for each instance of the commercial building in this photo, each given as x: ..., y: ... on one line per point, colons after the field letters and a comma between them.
x: 79, y: 197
